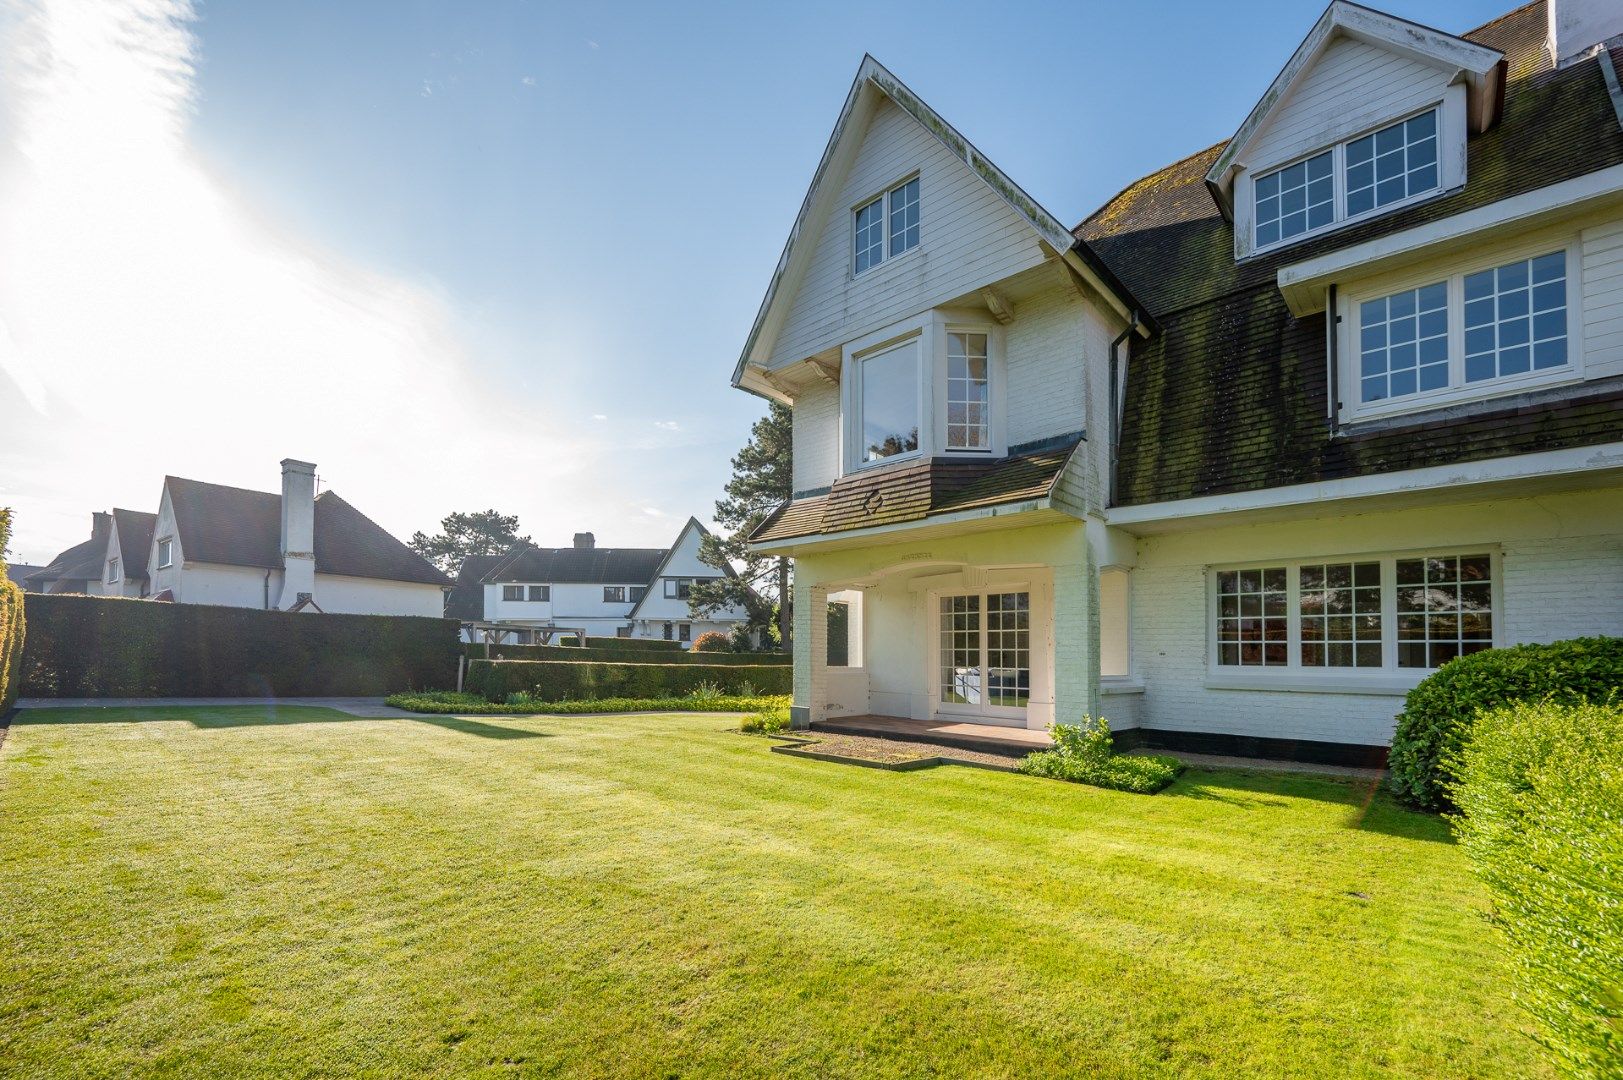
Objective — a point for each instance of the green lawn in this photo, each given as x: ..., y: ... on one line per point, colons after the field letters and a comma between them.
x: 242, y: 892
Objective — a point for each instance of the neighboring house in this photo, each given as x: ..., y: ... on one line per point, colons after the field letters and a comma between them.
x: 210, y: 544
x: 19, y: 573
x: 608, y: 592
x: 1273, y: 434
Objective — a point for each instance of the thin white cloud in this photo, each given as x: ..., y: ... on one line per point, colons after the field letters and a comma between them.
x: 599, y: 416
x: 667, y: 425
x: 528, y: 80
x: 653, y: 511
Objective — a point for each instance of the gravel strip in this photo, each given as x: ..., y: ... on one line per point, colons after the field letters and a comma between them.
x: 868, y: 748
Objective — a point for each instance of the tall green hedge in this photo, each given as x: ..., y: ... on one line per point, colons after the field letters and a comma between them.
x: 622, y: 644
x: 1437, y: 715
x: 1540, y: 788
x: 94, y: 646
x: 11, y: 626
x: 476, y: 651
x: 561, y: 680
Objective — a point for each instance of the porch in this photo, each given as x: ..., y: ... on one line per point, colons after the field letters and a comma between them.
x: 997, y: 739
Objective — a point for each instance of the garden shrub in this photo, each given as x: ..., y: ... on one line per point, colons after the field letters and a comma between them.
x: 449, y: 701
x: 1085, y: 753
x: 11, y: 627
x: 712, y: 641
x: 1437, y: 715
x: 1540, y: 790
x: 476, y: 651
x: 560, y: 680
x: 766, y: 722
x: 624, y: 644
x: 100, y: 646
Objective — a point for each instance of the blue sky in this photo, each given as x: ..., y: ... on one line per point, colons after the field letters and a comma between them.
x: 580, y: 203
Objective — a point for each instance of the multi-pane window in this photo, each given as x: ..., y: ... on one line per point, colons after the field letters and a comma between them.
x: 1366, y: 614
x: 614, y: 594
x: 679, y: 588
x: 961, y: 650
x: 638, y: 592
x: 904, y: 217
x: 1384, y: 168
x: 968, y: 393
x: 870, y: 234
x: 1389, y: 165
x: 1253, y: 627
x: 1340, y: 609
x: 1507, y: 322
x: 1516, y: 318
x: 1008, y: 649
x: 1403, y: 343
x: 886, y: 226
x: 890, y: 402
x: 540, y: 592
x: 512, y: 592
x: 1445, y: 608
x: 1295, y: 199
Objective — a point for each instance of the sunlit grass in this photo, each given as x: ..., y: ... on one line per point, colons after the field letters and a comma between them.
x: 252, y: 892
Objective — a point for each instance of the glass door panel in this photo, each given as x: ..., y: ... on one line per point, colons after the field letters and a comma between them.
x: 961, y: 650
x: 985, y: 659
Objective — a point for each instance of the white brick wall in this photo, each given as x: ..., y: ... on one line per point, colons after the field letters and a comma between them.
x: 1047, y: 344
x: 1562, y: 576
x: 817, y: 437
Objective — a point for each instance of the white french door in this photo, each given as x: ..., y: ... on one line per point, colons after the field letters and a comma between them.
x: 985, y: 655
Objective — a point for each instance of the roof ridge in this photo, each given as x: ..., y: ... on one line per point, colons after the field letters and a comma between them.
x: 1131, y: 184
x: 226, y: 487
x: 1499, y: 19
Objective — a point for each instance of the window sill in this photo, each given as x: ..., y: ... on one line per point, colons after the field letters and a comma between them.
x: 1385, y: 683
x: 1111, y: 685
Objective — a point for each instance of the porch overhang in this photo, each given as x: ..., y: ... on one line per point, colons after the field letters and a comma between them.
x: 1029, y: 511
x: 1574, y: 469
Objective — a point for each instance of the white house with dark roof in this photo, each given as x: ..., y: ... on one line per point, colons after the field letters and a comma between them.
x: 607, y: 592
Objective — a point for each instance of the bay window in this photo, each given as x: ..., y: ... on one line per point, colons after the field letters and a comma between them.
x: 1495, y: 329
x: 888, y: 388
x: 1354, y: 616
x: 968, y: 393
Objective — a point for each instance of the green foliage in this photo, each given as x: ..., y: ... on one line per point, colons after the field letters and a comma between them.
x: 476, y: 651
x: 621, y: 644
x: 96, y: 646
x: 1540, y: 787
x: 558, y: 680
x: 709, y: 691
x: 11, y: 625
x: 766, y: 722
x: 1437, y: 715
x: 763, y: 477
x: 449, y: 701
x: 712, y: 641
x: 1085, y: 753
x: 483, y: 532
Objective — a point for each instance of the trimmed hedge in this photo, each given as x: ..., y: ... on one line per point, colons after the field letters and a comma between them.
x: 1541, y: 790
x: 560, y: 680
x: 11, y: 627
x: 97, y: 646
x: 625, y: 644
x: 1437, y: 715
x: 476, y: 651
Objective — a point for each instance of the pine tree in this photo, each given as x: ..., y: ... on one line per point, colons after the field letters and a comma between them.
x: 762, y: 478
x: 483, y: 532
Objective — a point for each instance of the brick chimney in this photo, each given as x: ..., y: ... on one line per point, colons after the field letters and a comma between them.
x: 298, y: 533
x: 585, y: 541
x: 101, y: 526
x: 1579, y: 27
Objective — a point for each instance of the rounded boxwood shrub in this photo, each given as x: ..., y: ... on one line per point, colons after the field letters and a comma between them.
x: 1437, y: 716
x: 712, y: 641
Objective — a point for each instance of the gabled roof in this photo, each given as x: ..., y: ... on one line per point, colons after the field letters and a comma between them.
x: 693, y: 523
x: 19, y: 573
x: 1476, y: 63
x: 577, y: 566
x: 237, y: 527
x: 467, y: 600
x: 134, y: 528
x: 81, y: 562
x: 872, y: 82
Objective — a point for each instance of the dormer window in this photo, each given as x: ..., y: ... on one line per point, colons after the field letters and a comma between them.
x: 1387, y: 167
x: 112, y: 571
x: 886, y: 226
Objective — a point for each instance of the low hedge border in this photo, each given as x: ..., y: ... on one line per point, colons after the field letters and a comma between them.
x: 563, y: 680
x: 623, y: 645
x: 476, y: 651
x: 449, y: 701
x: 1541, y: 791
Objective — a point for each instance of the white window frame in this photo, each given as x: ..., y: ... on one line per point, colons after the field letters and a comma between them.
x: 112, y: 571
x: 1451, y: 135
x: 1348, y: 358
x: 507, y: 588
x: 929, y: 331
x: 166, y: 552
x: 884, y: 197
x: 1389, y: 678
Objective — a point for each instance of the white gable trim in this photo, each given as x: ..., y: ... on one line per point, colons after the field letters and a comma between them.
x: 872, y: 82
x: 693, y: 523
x: 1476, y: 65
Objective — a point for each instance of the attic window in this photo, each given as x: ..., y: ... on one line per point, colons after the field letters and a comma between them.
x: 1385, y: 168
x: 166, y: 554
x: 886, y: 226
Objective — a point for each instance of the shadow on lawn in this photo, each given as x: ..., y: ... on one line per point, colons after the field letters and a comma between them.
x: 1369, y: 807
x: 208, y: 718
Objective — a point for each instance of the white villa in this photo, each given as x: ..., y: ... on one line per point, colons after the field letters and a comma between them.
x: 607, y: 592
x: 1253, y: 448
x: 211, y: 544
